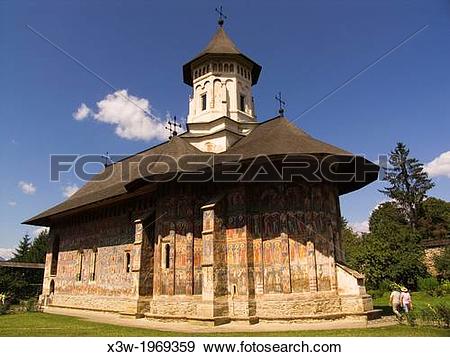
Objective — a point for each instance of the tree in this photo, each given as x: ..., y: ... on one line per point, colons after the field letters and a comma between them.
x: 38, y: 248
x: 408, y: 183
x: 442, y: 264
x: 352, y: 245
x: 22, y: 251
x: 434, y: 219
x: 391, y: 251
x: 24, y: 283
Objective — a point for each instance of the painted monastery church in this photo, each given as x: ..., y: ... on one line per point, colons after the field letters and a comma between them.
x: 210, y: 250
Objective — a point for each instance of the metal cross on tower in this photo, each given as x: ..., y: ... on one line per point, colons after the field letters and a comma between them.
x: 222, y: 16
x: 172, y: 126
x: 281, y: 102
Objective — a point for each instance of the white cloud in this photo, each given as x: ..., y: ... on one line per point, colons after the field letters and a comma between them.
x: 360, y: 227
x: 130, y: 115
x: 38, y: 231
x: 440, y: 166
x: 69, y: 190
x: 27, y: 187
x: 12, y: 203
x: 82, y: 112
x: 6, y: 253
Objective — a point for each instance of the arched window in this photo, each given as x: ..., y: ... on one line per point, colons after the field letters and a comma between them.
x: 167, y: 256
x: 231, y: 68
x: 220, y: 67
x: 225, y: 67
x: 214, y: 67
x: 127, y: 262
x: 52, y: 286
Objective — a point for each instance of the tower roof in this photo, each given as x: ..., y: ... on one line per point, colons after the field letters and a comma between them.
x: 220, y: 44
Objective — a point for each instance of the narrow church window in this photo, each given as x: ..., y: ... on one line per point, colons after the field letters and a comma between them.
x: 167, y: 256
x: 231, y: 68
x: 127, y: 262
x: 225, y: 67
x: 80, y: 265
x: 242, y: 103
x: 55, y: 253
x: 204, y: 101
x: 220, y: 67
x: 93, y: 264
x: 214, y: 67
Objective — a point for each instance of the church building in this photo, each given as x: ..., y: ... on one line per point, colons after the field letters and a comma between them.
x: 210, y: 249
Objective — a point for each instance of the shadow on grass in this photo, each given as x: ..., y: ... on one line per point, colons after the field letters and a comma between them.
x: 386, y: 310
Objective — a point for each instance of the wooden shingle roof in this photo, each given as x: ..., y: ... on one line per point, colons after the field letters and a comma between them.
x: 274, y: 138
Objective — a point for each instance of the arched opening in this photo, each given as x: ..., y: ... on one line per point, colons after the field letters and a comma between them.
x: 167, y: 256
x: 52, y: 287
x: 127, y: 262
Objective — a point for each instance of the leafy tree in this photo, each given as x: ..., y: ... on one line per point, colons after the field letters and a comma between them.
x: 352, y: 245
x: 390, y: 252
x: 434, y: 219
x: 442, y: 264
x: 408, y: 183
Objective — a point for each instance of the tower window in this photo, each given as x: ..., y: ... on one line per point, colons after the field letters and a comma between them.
x: 242, y: 103
x: 167, y: 256
x: 204, y: 101
x: 127, y: 262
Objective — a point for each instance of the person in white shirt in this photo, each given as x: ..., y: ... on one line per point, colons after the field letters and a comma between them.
x: 394, y: 301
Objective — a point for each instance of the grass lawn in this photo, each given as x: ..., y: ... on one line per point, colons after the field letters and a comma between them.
x: 40, y: 324
x: 419, y: 299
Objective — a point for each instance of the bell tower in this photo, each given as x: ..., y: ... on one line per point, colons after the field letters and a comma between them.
x: 221, y: 105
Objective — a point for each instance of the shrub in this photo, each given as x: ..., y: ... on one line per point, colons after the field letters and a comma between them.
x: 438, y: 315
x: 29, y: 305
x: 445, y: 285
x: 443, y: 314
x: 431, y: 286
x: 4, y: 308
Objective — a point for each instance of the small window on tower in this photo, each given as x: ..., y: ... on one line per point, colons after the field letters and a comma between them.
x: 204, y: 101
x: 242, y: 103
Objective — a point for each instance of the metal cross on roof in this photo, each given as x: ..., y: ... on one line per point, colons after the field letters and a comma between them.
x: 222, y: 16
x: 172, y: 126
x: 281, y: 102
x: 107, y: 158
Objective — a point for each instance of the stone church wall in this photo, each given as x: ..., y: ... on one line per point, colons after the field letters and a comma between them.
x: 96, y: 259
x: 234, y: 252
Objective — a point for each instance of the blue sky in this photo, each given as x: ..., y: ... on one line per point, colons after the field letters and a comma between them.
x: 307, y: 49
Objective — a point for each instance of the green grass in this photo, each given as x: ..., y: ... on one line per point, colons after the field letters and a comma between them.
x: 419, y: 299
x: 39, y: 324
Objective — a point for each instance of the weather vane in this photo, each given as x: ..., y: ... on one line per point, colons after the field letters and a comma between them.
x: 281, y: 103
x: 172, y: 126
x: 222, y: 16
